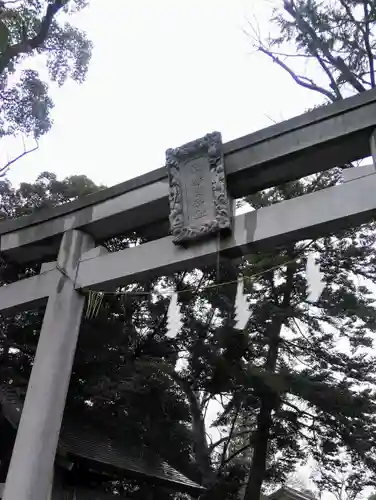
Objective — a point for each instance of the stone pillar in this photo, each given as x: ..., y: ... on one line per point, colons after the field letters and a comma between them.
x: 31, y: 468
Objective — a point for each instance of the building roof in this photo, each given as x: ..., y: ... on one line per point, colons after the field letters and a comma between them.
x: 85, y: 442
x: 287, y: 493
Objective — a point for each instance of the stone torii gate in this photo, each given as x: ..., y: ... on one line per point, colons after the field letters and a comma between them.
x: 313, y: 142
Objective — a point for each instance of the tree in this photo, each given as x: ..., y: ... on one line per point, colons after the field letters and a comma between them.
x: 29, y: 29
x: 120, y: 373
x: 298, y: 383
x: 336, y: 39
x: 129, y: 374
x: 347, y: 484
x: 113, y: 368
x: 316, y: 384
x: 299, y: 483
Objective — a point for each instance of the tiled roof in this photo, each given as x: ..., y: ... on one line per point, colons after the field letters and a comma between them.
x: 289, y: 493
x: 87, y: 442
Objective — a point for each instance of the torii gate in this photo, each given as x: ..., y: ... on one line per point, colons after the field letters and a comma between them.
x: 313, y: 142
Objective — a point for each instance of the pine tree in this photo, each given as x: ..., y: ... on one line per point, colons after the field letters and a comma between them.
x: 311, y: 369
x: 299, y: 381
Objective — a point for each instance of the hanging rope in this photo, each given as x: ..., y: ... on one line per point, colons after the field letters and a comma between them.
x: 242, y: 313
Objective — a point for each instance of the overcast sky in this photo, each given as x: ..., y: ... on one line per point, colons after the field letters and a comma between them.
x: 163, y: 73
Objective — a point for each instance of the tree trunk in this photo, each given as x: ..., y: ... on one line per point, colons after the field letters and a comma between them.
x: 200, y: 445
x: 269, y: 399
x: 264, y: 422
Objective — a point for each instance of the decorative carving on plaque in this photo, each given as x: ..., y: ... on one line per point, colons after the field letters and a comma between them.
x: 199, y: 205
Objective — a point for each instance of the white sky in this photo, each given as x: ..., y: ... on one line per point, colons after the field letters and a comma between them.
x: 163, y: 73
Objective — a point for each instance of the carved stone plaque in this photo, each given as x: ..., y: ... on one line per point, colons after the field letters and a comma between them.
x: 199, y: 205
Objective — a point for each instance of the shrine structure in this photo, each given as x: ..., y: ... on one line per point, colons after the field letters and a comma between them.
x: 185, y: 211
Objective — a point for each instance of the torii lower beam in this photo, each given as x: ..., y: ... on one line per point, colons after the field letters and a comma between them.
x: 308, y: 216
x: 27, y: 293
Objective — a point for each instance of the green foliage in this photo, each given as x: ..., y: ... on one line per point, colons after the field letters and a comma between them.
x: 298, y: 383
x: 291, y: 355
x: 114, y: 381
x: 318, y: 366
x: 347, y: 484
x: 37, y: 28
x: 333, y: 44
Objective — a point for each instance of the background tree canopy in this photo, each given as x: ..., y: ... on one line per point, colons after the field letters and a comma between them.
x: 299, y: 383
x: 328, y: 47
x: 30, y: 29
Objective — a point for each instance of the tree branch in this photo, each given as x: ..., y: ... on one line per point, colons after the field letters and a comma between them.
x: 365, y: 32
x: 337, y: 62
x: 298, y: 410
x: 201, y: 448
x: 37, y: 41
x: 327, y: 71
x: 286, y: 343
x: 228, y: 438
x: 300, y: 80
x: 303, y: 81
x: 295, y: 56
x: 4, y: 169
x: 236, y: 453
x: 367, y: 36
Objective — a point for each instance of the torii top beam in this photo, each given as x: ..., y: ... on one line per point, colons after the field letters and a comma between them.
x: 312, y: 142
